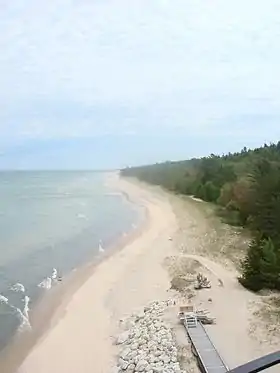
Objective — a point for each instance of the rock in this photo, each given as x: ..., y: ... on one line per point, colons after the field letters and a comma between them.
x: 165, y: 359
x: 141, y: 365
x: 147, y: 309
x: 139, y: 315
x: 152, y: 359
x: 137, y: 333
x: 148, y: 344
x: 127, y: 323
x: 131, y: 367
x: 122, y: 338
x: 123, y: 364
x: 125, y: 353
x: 134, y: 346
x: 158, y: 369
x: 132, y: 355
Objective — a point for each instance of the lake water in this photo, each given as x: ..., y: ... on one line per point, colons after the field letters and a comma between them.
x: 50, y: 224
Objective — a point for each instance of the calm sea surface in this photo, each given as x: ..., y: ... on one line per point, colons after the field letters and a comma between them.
x: 50, y: 224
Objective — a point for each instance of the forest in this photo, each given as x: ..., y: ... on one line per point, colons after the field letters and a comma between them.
x: 245, y: 186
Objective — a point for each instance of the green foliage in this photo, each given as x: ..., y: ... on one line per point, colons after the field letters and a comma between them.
x: 208, y: 192
x: 246, y: 187
x: 261, y: 267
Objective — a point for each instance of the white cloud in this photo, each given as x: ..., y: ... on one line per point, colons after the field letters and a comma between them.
x: 134, y: 66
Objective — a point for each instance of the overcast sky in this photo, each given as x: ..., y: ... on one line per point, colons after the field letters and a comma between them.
x: 102, y: 83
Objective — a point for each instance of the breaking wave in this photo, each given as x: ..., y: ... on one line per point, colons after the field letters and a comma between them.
x: 22, y: 312
x: 48, y: 282
x: 18, y: 287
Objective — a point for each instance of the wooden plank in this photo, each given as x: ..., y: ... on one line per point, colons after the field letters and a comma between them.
x: 207, y: 353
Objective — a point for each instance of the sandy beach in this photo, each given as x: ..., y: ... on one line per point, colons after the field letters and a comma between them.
x: 174, y: 241
x: 82, y: 339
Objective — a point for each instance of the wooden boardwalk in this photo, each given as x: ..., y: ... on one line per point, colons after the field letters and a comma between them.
x: 208, y: 357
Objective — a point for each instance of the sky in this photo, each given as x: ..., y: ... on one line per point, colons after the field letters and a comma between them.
x: 106, y: 84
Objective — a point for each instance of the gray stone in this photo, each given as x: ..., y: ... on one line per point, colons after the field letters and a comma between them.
x: 123, y: 364
x: 125, y: 353
x: 141, y: 365
x: 137, y: 333
x: 122, y: 338
x: 152, y: 359
x: 148, y: 368
x: 166, y: 359
x: 139, y: 315
x: 134, y: 346
x: 158, y: 369
x: 132, y: 355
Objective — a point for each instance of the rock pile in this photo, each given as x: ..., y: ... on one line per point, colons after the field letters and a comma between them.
x: 148, y: 345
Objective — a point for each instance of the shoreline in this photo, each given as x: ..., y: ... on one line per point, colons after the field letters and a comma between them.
x: 178, y: 240
x: 49, y: 308
x: 125, y: 281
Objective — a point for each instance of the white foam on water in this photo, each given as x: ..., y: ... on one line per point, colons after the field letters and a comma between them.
x: 26, y: 306
x: 100, y: 247
x: 24, y: 320
x: 3, y: 299
x: 46, y: 283
x: 18, y: 287
x: 22, y: 315
x: 54, y: 274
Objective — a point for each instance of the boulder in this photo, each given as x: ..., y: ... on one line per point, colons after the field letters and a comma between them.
x: 125, y: 353
x: 134, y: 346
x: 148, y: 345
x: 131, y: 367
x: 123, y: 364
x: 123, y: 337
x: 141, y: 365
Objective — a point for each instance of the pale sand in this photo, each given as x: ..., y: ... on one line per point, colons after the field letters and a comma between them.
x: 82, y: 339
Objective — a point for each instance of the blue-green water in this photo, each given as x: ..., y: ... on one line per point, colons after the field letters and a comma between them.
x: 50, y: 224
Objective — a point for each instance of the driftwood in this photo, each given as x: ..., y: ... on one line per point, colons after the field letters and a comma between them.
x: 202, y: 282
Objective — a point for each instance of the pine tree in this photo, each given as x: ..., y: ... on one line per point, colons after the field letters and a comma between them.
x: 269, y: 265
x: 251, y: 267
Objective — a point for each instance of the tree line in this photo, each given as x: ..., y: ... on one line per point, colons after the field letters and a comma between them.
x: 246, y: 187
